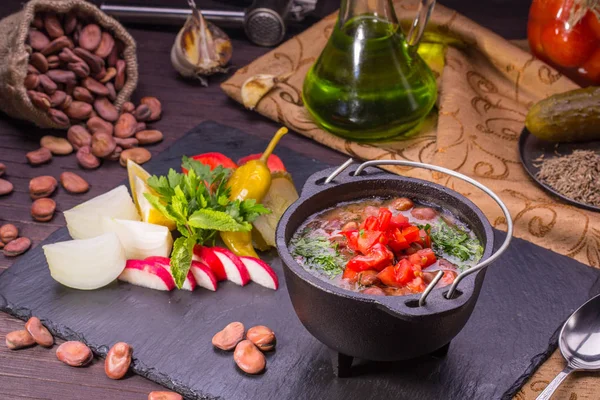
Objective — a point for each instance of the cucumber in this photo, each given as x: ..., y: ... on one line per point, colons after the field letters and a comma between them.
x: 572, y: 116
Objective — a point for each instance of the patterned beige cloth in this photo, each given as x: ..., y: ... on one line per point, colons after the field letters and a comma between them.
x: 486, y: 86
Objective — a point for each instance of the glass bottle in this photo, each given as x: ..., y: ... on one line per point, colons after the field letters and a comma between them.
x: 369, y: 83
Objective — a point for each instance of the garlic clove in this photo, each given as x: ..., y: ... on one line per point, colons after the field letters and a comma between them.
x: 255, y: 88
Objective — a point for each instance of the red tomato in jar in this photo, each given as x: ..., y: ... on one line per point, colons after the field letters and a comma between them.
x: 534, y: 34
x: 424, y: 258
x: 568, y: 47
x: 591, y: 68
x: 549, y: 10
x: 592, y: 21
x: 377, y: 259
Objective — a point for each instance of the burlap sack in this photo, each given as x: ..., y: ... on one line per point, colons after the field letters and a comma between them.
x: 14, y: 56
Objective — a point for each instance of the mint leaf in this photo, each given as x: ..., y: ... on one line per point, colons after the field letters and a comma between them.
x: 181, y: 259
x: 160, y: 185
x: 217, y: 220
x: 174, y: 178
x: 155, y: 202
x: 250, y: 210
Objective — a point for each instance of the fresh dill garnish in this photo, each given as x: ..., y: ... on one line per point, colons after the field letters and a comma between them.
x: 455, y: 242
x: 318, y: 252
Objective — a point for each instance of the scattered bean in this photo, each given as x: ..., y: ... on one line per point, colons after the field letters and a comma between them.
x: 40, y: 334
x: 74, y: 183
x: 59, y: 117
x: 118, y: 360
x: 5, y: 187
x: 103, y: 144
x: 106, y: 109
x: 56, y: 145
x: 42, y: 186
x: 229, y: 337
x: 262, y: 337
x: 125, y: 126
x: 149, y: 136
x: 90, y: 37
x: 97, y: 124
x: 17, y: 247
x: 142, y: 113
x: 8, y: 233
x: 39, y: 156
x: 137, y: 154
x: 79, y: 137
x: 107, y: 43
x: 164, y: 396
x: 79, y: 110
x: 74, y: 354
x: 95, y: 87
x: 42, y: 210
x: 2, y: 169
x: 82, y: 94
x: 155, y: 107
x: 86, y: 159
x: 19, y: 340
x: 248, y: 358
x: 128, y: 107
x: 127, y: 143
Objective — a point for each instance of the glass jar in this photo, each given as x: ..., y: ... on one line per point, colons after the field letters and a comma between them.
x: 566, y: 35
x: 369, y: 83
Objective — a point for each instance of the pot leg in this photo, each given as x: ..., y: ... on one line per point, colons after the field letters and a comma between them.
x: 342, y: 364
x: 441, y: 352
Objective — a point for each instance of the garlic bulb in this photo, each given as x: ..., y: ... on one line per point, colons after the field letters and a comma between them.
x: 200, y: 49
x: 257, y: 86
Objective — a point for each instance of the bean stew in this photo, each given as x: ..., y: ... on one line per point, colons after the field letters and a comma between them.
x: 391, y: 247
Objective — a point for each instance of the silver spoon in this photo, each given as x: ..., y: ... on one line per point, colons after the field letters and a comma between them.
x: 579, y: 344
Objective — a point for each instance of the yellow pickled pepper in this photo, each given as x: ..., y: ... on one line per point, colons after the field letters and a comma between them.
x: 250, y: 181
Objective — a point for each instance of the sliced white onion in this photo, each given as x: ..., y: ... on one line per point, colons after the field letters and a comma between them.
x: 86, y: 263
x: 84, y: 220
x: 140, y: 239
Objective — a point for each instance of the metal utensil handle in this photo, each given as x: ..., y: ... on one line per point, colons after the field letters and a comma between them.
x: 552, y: 386
x: 489, y: 192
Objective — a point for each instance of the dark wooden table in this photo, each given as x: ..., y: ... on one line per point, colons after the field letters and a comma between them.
x: 35, y: 373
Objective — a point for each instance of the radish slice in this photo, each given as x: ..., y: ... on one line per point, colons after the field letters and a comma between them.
x: 260, y: 272
x: 147, y: 274
x: 207, y: 256
x: 190, y: 281
x: 86, y: 264
x: 204, y: 275
x: 234, y: 267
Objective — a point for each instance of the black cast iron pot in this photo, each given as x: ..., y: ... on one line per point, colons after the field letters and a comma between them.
x: 381, y: 328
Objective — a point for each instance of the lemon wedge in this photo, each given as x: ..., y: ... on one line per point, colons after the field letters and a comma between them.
x: 138, y: 177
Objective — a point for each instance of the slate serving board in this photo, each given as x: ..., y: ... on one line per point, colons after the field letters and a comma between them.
x: 525, y: 298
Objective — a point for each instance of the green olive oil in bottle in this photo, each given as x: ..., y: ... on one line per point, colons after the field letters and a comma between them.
x: 369, y: 83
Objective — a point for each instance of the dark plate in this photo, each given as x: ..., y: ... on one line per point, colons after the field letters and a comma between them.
x: 530, y: 148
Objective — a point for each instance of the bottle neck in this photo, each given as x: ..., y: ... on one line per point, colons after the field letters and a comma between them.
x: 382, y: 9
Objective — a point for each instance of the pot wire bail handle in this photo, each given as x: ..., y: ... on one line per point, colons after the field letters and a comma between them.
x: 489, y: 192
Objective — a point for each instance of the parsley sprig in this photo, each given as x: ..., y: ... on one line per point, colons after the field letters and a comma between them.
x: 318, y: 252
x: 198, y: 202
x: 456, y: 242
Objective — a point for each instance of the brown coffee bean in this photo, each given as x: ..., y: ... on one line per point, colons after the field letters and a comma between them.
x: 97, y: 124
x: 120, y: 78
x: 229, y: 337
x: 2, y: 169
x: 37, y: 40
x: 128, y: 107
x: 53, y: 25
x: 70, y: 22
x: 32, y: 81
x: 38, y: 21
x: 58, y: 98
x: 39, y: 156
x: 100, y: 75
x: 40, y: 100
x: 59, y: 117
x: 8, y: 233
x: 79, y: 137
x: 67, y: 55
x: 53, y: 61
x: 103, y: 144
x: 125, y: 126
x: 42, y: 186
x: 80, y: 69
x: 90, y: 37
x: 162, y: 395
x: 118, y: 360
x: 94, y: 86
x: 107, y: 43
x: 16, y: 248
x: 79, y: 110
x: 248, y: 358
x: 115, y: 155
x: 19, y: 340
x: 106, y: 109
x: 57, y: 45
x: 40, y: 334
x: 127, y: 143
x: 137, y: 154
x: 142, y: 113
x: 5, y: 187
x: 110, y: 73
x: 95, y: 63
x: 47, y: 84
x: 262, y: 337
x: 82, y: 94
x: 61, y: 76
x: 155, y: 107
x: 39, y: 62
x: 86, y: 159
x: 68, y: 101
x: 149, y: 136
x: 112, y: 93
x: 42, y: 210
x: 57, y: 145
x: 74, y: 183
x: 74, y: 354
x: 141, y: 126
x: 69, y: 88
